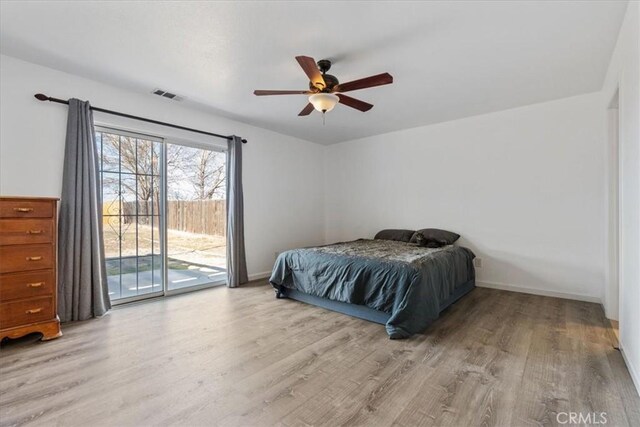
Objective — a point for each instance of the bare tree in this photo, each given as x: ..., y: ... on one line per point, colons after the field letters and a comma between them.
x: 209, y: 175
x: 138, y: 160
x: 191, y: 172
x: 197, y: 174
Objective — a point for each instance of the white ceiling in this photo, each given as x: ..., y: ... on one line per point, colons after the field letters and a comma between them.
x: 449, y: 59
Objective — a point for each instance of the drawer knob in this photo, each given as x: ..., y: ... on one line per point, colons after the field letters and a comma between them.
x: 33, y: 311
x: 34, y: 258
x: 34, y: 232
x: 35, y: 285
x: 23, y: 209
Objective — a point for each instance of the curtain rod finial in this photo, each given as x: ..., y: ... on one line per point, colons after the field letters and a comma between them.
x: 244, y: 141
x: 41, y: 97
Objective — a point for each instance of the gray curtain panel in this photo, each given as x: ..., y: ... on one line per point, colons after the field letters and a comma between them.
x: 82, y: 274
x: 236, y: 261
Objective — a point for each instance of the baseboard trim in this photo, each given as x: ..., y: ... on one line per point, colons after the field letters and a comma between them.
x: 543, y: 292
x: 632, y: 370
x: 256, y: 276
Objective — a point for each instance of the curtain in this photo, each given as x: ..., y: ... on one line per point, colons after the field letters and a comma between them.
x: 236, y: 262
x: 82, y: 275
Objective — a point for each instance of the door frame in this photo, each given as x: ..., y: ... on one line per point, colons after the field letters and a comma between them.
x: 164, y: 141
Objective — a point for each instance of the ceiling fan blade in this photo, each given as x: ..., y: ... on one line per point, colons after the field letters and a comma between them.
x: 310, y: 68
x: 372, y: 81
x: 281, y: 92
x: 306, y: 110
x: 354, y: 103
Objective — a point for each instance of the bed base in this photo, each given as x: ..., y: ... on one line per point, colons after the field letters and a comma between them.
x: 360, y: 311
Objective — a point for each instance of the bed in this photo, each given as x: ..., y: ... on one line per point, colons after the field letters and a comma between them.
x: 396, y: 283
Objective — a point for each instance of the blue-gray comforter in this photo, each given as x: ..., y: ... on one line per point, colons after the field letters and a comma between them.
x: 402, y: 279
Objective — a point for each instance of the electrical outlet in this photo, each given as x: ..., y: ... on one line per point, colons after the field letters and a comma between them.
x: 477, y: 262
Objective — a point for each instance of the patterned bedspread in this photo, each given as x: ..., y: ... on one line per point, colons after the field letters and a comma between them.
x: 382, y: 250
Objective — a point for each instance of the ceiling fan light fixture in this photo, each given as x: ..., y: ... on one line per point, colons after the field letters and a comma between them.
x: 324, y: 102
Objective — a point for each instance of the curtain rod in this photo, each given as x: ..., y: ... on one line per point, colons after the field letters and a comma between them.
x: 41, y: 97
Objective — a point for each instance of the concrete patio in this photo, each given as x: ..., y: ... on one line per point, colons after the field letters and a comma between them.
x: 148, y: 278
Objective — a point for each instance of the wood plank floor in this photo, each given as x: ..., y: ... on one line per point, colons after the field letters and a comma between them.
x: 241, y: 357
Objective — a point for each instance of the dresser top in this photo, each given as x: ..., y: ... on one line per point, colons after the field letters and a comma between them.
x: 25, y: 198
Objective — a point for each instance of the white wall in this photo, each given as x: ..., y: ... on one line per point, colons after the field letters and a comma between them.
x: 524, y: 188
x: 624, y: 73
x: 282, y: 175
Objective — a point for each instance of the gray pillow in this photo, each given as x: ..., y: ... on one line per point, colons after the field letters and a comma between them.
x: 429, y: 243
x: 399, y: 235
x: 447, y: 237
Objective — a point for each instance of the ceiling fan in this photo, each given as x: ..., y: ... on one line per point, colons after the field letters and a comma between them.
x: 325, y: 91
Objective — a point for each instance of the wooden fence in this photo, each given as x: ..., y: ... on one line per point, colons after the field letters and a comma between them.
x: 193, y: 216
x: 198, y: 216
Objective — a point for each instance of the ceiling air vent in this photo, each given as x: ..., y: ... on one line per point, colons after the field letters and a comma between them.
x: 166, y: 94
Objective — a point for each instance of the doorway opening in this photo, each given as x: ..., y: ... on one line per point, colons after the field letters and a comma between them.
x: 612, y: 296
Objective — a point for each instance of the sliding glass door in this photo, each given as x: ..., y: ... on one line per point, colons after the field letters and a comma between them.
x: 163, y: 215
x: 196, y: 216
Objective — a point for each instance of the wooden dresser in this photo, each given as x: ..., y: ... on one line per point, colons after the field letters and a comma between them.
x: 28, y: 277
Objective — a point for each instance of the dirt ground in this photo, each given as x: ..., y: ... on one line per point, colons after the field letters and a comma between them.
x: 196, y: 248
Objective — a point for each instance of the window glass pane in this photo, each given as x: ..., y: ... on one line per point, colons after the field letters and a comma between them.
x: 156, y: 235
x: 111, y: 232
x: 145, y: 156
x: 145, y: 274
x: 157, y: 150
x: 110, y: 193
x: 129, y: 276
x: 113, y: 277
x: 145, y: 193
x: 110, y: 152
x: 128, y: 154
x: 145, y: 236
x: 128, y: 240
x: 155, y: 197
x: 128, y: 189
x: 157, y: 273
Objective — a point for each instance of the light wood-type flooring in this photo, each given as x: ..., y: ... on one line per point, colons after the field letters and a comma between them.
x: 241, y: 357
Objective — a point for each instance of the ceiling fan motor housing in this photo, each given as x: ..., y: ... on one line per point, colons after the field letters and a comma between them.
x: 324, y: 65
x: 330, y: 81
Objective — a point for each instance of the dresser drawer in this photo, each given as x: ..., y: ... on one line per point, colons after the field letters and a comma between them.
x: 26, y: 258
x: 26, y: 285
x: 26, y: 209
x: 26, y: 311
x: 25, y: 231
